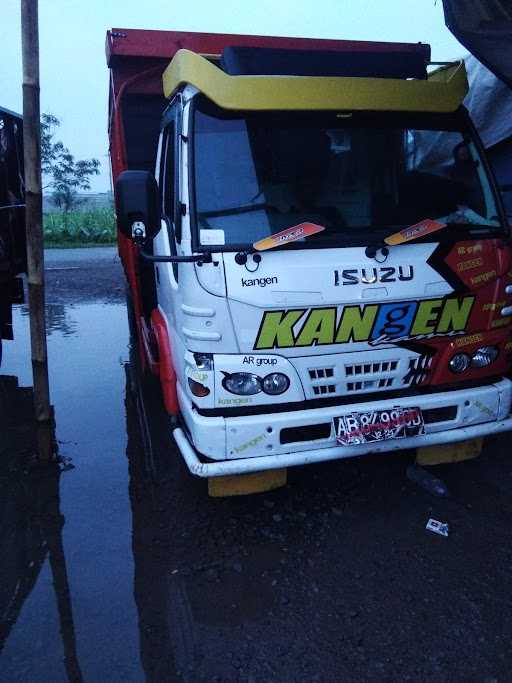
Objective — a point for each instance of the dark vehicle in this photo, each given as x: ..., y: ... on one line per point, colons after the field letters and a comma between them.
x: 12, y: 219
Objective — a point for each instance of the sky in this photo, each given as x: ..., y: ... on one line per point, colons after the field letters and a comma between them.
x: 74, y: 75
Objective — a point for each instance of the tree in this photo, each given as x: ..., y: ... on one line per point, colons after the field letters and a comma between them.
x: 62, y: 173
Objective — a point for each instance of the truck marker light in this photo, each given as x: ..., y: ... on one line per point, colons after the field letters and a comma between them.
x: 197, y: 388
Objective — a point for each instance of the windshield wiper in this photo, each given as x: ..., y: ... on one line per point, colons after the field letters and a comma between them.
x: 236, y: 210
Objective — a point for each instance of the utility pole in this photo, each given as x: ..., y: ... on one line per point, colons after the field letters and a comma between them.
x: 34, y: 225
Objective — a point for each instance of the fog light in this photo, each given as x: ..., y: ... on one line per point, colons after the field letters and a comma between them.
x: 242, y: 383
x: 459, y: 363
x: 484, y: 356
x: 275, y: 383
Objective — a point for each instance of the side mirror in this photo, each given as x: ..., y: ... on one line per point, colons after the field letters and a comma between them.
x: 137, y: 205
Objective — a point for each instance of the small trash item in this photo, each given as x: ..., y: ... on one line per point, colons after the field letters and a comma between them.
x: 437, y: 527
x: 426, y: 480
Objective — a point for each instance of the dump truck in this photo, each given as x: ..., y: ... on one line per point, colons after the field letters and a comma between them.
x: 12, y: 219
x: 308, y: 278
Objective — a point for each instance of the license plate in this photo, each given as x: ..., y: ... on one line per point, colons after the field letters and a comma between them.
x: 378, y: 425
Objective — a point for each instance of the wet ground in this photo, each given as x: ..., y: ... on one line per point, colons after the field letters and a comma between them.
x: 116, y: 566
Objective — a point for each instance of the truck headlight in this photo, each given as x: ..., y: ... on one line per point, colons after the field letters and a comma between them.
x: 459, y: 363
x: 275, y: 383
x: 242, y: 383
x: 484, y: 356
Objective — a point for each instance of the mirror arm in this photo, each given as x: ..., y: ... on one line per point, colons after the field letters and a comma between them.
x: 139, y: 237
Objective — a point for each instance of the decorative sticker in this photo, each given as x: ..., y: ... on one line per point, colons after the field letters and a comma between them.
x: 372, y: 323
x: 252, y: 443
x: 212, y: 236
x: 468, y: 340
x: 296, y: 232
x: 420, y: 229
x: 476, y: 264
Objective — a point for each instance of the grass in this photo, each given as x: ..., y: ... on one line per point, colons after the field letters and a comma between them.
x: 77, y: 245
x: 85, y: 228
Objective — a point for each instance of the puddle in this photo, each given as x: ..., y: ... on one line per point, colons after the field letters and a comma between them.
x: 59, y: 318
x: 92, y: 545
x: 110, y: 582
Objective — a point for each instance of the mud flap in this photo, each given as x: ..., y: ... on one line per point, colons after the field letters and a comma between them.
x: 245, y: 484
x: 449, y: 452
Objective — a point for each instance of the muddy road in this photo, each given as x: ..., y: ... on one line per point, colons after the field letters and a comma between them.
x: 118, y: 567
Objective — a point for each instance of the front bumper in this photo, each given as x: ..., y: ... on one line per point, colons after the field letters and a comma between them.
x: 251, y: 444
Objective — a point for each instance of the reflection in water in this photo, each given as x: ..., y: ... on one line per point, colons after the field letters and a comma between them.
x: 57, y: 319
x: 30, y: 521
x: 152, y: 518
x: 191, y: 592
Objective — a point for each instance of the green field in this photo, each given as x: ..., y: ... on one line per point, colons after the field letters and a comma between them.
x: 79, y: 228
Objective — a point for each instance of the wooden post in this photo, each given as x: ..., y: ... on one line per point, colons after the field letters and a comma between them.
x: 34, y: 216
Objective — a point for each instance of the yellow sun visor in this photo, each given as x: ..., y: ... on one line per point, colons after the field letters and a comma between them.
x: 443, y: 91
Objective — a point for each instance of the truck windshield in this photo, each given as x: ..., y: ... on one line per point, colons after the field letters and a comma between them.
x: 359, y: 175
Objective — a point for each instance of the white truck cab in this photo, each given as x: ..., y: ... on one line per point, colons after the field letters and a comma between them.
x: 326, y: 263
